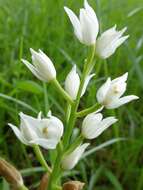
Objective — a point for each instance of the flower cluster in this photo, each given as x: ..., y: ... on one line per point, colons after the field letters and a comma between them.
x: 50, y: 131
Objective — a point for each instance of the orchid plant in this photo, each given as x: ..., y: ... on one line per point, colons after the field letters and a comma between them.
x: 52, y: 133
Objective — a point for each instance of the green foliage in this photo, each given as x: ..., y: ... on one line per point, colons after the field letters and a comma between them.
x: 43, y: 24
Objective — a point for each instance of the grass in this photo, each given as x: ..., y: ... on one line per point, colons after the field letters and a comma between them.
x: 43, y: 24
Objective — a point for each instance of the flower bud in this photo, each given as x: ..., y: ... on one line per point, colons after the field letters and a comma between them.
x: 109, y: 41
x: 42, y: 67
x: 70, y: 160
x: 86, y: 27
x: 10, y: 173
x: 72, y: 83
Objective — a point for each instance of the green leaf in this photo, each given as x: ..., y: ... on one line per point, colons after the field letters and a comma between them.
x: 29, y: 86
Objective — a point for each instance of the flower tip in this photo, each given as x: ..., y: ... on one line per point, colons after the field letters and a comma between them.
x: 66, y: 9
x: 135, y: 97
x: 23, y: 60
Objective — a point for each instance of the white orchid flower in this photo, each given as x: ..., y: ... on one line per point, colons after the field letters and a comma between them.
x: 42, y: 67
x: 109, y: 41
x: 72, y: 83
x: 94, y: 124
x: 45, y: 132
x: 109, y: 94
x: 86, y: 27
x: 69, y: 161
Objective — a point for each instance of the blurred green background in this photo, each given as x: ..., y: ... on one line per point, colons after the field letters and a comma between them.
x: 43, y: 24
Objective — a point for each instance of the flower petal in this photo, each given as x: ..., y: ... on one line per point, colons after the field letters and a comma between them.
x: 45, y: 143
x: 18, y: 134
x: 87, y: 80
x: 75, y: 22
x: 70, y: 160
x: 105, y: 123
x: 72, y: 83
x: 88, y: 28
x: 101, y: 93
x: 121, y: 101
x: 33, y: 70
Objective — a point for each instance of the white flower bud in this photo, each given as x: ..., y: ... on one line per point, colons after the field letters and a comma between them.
x: 42, y: 67
x: 94, y: 124
x: 109, y: 41
x: 72, y: 83
x: 109, y: 94
x: 86, y: 27
x: 69, y: 161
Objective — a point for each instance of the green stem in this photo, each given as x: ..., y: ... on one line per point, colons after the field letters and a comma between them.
x: 75, y: 144
x: 87, y: 69
x: 71, y: 120
x: 23, y: 187
x: 62, y: 91
x: 41, y: 159
x: 56, y: 170
x: 89, y: 110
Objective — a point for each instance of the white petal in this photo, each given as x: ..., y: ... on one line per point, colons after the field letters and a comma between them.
x: 102, y: 92
x: 75, y: 22
x: 18, y: 134
x: 72, y: 83
x: 88, y: 28
x: 109, y: 41
x: 54, y: 128
x: 122, y: 78
x: 104, y: 124
x: 33, y: 70
x: 43, y: 65
x: 72, y: 159
x: 90, y: 124
x: 87, y: 80
x: 91, y: 119
x: 121, y: 101
x: 28, y: 130
x: 33, y: 123
x: 90, y: 11
x: 45, y: 143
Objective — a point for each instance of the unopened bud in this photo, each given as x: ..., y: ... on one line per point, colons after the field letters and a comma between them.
x: 73, y: 185
x: 10, y: 173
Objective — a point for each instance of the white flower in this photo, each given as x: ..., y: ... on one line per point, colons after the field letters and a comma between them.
x: 69, y: 161
x: 109, y: 94
x: 45, y: 132
x: 94, y: 124
x: 72, y: 83
x: 86, y: 27
x: 42, y: 67
x: 109, y: 41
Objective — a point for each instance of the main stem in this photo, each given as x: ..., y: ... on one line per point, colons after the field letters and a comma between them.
x: 72, y: 118
x: 87, y: 69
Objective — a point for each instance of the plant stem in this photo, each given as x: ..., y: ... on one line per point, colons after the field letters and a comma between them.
x: 89, y: 110
x: 41, y: 159
x: 87, y: 69
x: 23, y: 187
x: 62, y: 91
x: 71, y: 118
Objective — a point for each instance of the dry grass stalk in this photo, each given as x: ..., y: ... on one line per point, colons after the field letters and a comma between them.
x: 10, y: 173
